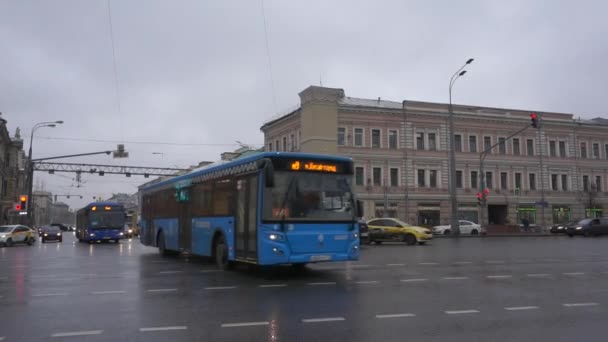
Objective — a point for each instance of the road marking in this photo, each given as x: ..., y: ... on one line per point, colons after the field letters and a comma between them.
x: 362, y: 265
x: 551, y: 260
x: 162, y: 290
x: 244, y: 324
x: 179, y: 327
x: 169, y: 272
x: 413, y: 280
x: 323, y: 283
x: 108, y: 292
x: 460, y: 312
x: 499, y: 276
x: 77, y: 333
x: 570, y: 305
x: 455, y: 278
x: 325, y: 319
x: 159, y: 261
x: 272, y: 285
x: 49, y: 294
x: 573, y: 273
x: 2, y: 338
x: 220, y: 287
x: 538, y: 275
x: 428, y: 263
x: 495, y: 262
x: 209, y: 271
x: 43, y: 276
x: 395, y: 315
x: 3, y: 278
x: 463, y: 262
x: 517, y: 308
x: 367, y: 282
x: 395, y: 264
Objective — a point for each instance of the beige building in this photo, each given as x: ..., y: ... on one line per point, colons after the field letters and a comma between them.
x: 400, y: 150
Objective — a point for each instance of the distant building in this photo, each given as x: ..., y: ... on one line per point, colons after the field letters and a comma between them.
x: 61, y: 213
x: 43, y: 204
x: 12, y: 173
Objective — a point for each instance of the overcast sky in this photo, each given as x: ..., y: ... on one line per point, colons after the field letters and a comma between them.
x: 197, y: 72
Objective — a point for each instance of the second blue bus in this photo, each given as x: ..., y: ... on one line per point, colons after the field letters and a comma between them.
x: 101, y: 221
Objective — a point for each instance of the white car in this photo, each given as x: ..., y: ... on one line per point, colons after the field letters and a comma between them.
x: 466, y: 227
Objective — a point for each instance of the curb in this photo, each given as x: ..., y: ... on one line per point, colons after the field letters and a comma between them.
x: 495, y: 235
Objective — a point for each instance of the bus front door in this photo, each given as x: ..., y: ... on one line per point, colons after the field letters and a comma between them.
x: 246, y: 218
x: 185, y: 227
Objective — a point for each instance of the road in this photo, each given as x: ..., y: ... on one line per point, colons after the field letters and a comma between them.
x: 471, y: 289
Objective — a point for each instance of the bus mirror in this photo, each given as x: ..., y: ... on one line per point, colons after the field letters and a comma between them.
x: 359, y: 208
x: 266, y: 165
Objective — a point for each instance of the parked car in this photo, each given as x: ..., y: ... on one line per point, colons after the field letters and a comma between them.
x: 561, y: 228
x: 589, y: 227
x: 12, y: 234
x: 51, y: 233
x: 392, y: 229
x: 466, y: 227
x: 363, y: 233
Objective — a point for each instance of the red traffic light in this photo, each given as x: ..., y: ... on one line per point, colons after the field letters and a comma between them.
x: 533, y: 116
x: 479, y: 195
x: 534, y: 120
x: 486, y: 191
x: 18, y: 207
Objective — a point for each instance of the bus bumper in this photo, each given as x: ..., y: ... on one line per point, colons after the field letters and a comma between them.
x: 279, y: 256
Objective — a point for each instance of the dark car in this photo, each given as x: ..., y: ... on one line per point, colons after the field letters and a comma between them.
x: 51, y: 233
x: 589, y: 227
x: 363, y: 233
x: 561, y: 228
x: 61, y: 226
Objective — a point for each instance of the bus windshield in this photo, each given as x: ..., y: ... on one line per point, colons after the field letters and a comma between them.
x: 304, y: 196
x: 107, y: 219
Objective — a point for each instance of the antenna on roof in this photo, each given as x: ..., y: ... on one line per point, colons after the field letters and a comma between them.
x: 320, y: 79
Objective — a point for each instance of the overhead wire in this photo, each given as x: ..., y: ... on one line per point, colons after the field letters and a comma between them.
x: 116, y: 84
x: 268, y: 57
x: 143, y: 142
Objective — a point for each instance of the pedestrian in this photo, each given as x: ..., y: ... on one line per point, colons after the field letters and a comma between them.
x: 526, y: 224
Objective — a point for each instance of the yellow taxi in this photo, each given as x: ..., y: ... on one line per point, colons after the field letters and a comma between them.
x: 387, y: 229
x: 13, y: 234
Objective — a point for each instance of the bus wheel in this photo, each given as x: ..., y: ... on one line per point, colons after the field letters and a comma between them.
x: 221, y: 254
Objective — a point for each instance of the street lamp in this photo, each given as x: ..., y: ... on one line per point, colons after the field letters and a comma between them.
x: 30, y: 176
x: 452, y: 179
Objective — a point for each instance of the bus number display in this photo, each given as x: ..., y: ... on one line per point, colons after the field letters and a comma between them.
x: 313, y: 166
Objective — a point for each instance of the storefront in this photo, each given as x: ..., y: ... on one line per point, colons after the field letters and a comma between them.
x: 380, y: 211
x: 561, y: 214
x: 468, y: 212
x: 528, y: 212
x: 593, y: 212
x: 429, y: 215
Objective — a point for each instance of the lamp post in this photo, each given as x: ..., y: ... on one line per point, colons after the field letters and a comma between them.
x: 452, y: 177
x: 30, y: 174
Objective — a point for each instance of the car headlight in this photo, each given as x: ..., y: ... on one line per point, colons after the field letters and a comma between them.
x: 3, y: 236
x: 58, y: 234
x: 130, y: 231
x: 45, y: 234
x: 276, y: 237
x: 579, y: 228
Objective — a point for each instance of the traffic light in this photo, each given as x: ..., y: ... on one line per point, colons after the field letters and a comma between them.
x: 534, y: 120
x: 18, y: 206
x: 23, y: 202
x: 479, y: 199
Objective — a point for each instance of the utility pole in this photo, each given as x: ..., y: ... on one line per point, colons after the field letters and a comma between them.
x: 543, y: 204
x: 405, y: 174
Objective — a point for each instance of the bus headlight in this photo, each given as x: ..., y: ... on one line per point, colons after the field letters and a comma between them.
x: 91, y: 235
x: 45, y: 234
x: 356, y: 235
x: 130, y: 231
x: 276, y: 237
x: 121, y: 233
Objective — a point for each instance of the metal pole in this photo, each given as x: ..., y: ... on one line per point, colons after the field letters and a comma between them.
x: 407, y: 211
x: 542, y: 173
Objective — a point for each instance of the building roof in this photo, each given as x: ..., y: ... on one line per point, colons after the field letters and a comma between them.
x: 358, y: 102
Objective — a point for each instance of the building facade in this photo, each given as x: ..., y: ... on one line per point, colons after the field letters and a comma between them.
x: 12, y: 173
x: 401, y: 151
x: 43, y: 201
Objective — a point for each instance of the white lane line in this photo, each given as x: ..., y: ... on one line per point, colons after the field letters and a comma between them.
x: 322, y: 283
x: 177, y: 327
x: 367, y: 282
x: 495, y: 262
x: 2, y: 338
x: 49, y: 294
x: 395, y: 315
x: 362, y: 265
x: 499, y: 276
x: 209, y: 271
x: 463, y: 262
x: 461, y: 312
x: 169, y: 272
x: 325, y: 319
x: 571, y: 305
x: 272, y: 285
x: 244, y: 324
x: 455, y: 278
x: 395, y: 264
x: 162, y: 290
x: 43, y: 276
x: 573, y: 273
x: 108, y: 292
x: 413, y: 280
x: 220, y: 287
x: 518, y: 308
x: 3, y: 278
x: 538, y: 275
x: 428, y: 263
x: 77, y: 333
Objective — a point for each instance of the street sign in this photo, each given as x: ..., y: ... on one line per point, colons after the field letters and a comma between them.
x: 16, y: 213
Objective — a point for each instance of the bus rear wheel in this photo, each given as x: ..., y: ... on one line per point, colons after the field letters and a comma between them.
x: 221, y: 254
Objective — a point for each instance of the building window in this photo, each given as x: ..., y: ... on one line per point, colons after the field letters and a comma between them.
x: 516, y: 150
x: 502, y: 147
x: 432, y: 142
x: 376, y: 138
x: 270, y: 147
x: 489, y: 180
x: 292, y: 143
x: 392, y: 139
x: 552, y: 150
x: 359, y: 176
x: 606, y: 150
x: 518, y: 181
x: 341, y: 136
x: 562, y: 149
x: 532, y: 181
x: 565, y: 182
x: 458, y: 143
x: 472, y: 143
x: 598, y: 183
x: 583, y: 150
x: 276, y: 144
x: 459, y: 179
x: 554, y: 182
x: 473, y: 179
x: 421, y: 180
x: 487, y: 143
x: 585, y: 183
x: 394, y: 176
x: 433, y: 178
x: 596, y: 151
x: 358, y: 137
x: 530, y: 146
x: 420, y: 141
x: 284, y: 143
x: 377, y: 176
x: 503, y: 180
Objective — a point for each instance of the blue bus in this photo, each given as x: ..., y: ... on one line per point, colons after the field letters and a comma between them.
x: 269, y: 208
x: 101, y: 221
